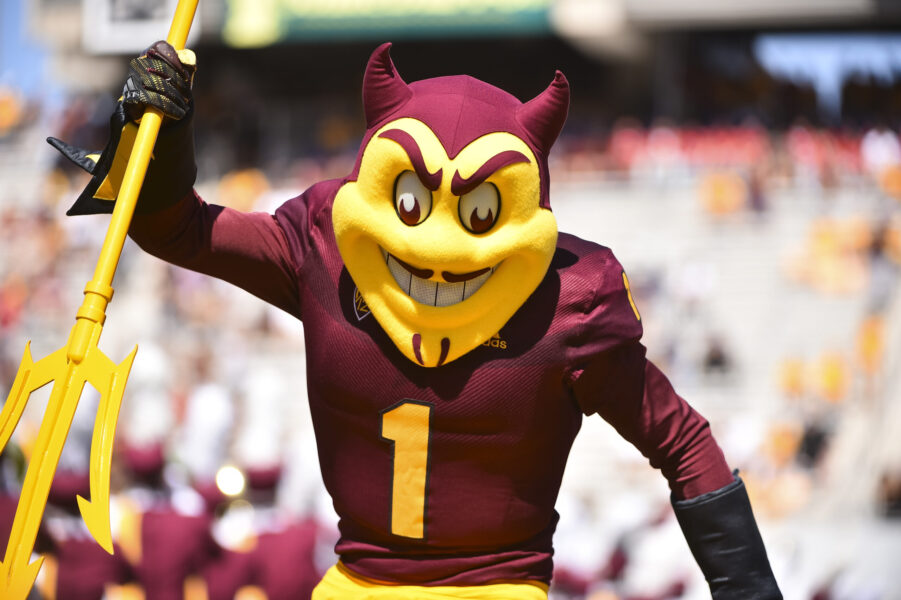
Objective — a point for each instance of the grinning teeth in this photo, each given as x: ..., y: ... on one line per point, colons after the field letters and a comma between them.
x: 400, y: 274
x: 423, y: 290
x: 433, y: 293
x: 449, y: 293
x: 474, y: 284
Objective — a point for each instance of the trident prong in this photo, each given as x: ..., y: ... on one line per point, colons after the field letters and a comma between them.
x: 95, y: 511
x: 70, y: 367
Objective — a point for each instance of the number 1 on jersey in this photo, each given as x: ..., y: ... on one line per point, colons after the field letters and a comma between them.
x: 407, y: 425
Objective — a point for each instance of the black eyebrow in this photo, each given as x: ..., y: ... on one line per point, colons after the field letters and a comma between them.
x: 406, y: 141
x: 463, y: 185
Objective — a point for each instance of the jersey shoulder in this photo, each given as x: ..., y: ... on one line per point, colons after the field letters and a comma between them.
x: 308, y: 206
x: 300, y: 215
x: 588, y: 267
x: 595, y: 290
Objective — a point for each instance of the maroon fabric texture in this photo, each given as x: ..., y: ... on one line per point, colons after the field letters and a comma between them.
x: 85, y: 569
x: 173, y: 546
x: 503, y: 416
x: 217, y: 241
x: 460, y: 109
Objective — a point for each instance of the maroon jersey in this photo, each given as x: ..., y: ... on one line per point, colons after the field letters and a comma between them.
x: 496, y: 424
x: 85, y: 569
x: 283, y: 562
x: 225, y: 574
x: 173, y: 547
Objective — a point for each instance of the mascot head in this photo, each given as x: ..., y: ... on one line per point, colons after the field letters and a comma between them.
x: 445, y: 224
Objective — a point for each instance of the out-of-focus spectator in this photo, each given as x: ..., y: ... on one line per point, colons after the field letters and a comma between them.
x: 206, y: 431
x: 757, y: 187
x: 833, y: 377
x: 11, y: 110
x: 791, y: 377
x: 883, y: 270
x: 284, y: 557
x: 83, y: 570
x: 242, y: 189
x: 871, y: 344
x: 717, y: 360
x: 880, y: 150
x: 723, y: 193
x: 782, y: 443
x: 890, y: 493
x: 626, y: 144
x: 833, y: 259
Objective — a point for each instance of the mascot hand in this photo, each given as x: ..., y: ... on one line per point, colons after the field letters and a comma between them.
x: 161, y: 77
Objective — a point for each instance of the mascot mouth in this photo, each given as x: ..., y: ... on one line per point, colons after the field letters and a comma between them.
x: 417, y: 284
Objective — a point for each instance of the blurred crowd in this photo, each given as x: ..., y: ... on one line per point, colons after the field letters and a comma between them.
x: 215, y: 487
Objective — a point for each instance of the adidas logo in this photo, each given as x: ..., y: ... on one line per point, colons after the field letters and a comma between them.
x: 496, y: 342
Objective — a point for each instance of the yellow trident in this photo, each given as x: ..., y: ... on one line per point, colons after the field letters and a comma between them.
x: 79, y: 362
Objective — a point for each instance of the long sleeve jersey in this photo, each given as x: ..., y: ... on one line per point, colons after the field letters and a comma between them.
x: 449, y: 475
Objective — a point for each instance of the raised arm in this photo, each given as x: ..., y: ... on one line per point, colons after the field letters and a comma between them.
x: 250, y: 250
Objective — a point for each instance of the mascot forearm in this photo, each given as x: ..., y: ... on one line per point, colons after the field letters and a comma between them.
x: 454, y: 340
x: 722, y: 534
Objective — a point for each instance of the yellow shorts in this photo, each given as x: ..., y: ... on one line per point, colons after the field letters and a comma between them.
x: 340, y: 583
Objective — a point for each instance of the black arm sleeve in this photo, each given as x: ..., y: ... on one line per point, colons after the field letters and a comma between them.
x: 723, y: 537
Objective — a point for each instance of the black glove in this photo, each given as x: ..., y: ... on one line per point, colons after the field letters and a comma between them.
x: 161, y: 78
x: 723, y: 537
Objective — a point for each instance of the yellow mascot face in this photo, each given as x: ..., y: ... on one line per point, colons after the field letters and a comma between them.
x: 445, y: 237
x: 443, y: 250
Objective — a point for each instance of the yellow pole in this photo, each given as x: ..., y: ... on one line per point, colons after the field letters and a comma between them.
x: 98, y: 292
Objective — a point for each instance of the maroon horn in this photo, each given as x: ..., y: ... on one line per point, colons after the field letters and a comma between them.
x: 383, y: 89
x: 543, y: 116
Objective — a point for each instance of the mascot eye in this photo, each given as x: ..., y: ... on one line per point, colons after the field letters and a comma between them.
x: 412, y: 200
x: 479, y: 208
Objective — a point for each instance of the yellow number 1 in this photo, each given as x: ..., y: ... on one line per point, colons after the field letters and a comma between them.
x: 407, y: 425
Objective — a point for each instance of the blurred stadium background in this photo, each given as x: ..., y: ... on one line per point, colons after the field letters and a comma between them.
x: 741, y: 158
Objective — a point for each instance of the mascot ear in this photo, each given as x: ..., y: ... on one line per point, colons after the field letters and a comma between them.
x: 383, y: 89
x: 543, y: 116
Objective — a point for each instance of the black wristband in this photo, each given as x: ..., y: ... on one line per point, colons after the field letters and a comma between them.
x: 723, y: 537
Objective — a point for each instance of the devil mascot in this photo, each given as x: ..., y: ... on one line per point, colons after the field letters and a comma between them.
x: 454, y: 340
